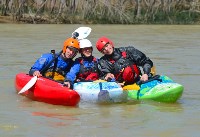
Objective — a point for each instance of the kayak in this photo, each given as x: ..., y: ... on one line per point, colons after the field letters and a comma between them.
x: 46, y: 90
x: 159, y: 88
x: 100, y: 92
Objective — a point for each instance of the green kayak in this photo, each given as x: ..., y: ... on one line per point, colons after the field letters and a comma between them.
x: 158, y: 88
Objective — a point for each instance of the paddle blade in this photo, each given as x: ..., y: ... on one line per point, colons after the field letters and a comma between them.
x: 28, y: 85
x: 83, y: 32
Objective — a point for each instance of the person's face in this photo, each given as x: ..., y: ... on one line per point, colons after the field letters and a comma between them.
x: 70, y: 52
x: 107, y: 49
x: 87, y: 52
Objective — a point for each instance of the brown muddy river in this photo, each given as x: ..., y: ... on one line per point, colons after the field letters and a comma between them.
x: 174, y: 50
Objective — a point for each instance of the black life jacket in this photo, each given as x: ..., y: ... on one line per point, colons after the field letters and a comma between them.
x: 121, y: 63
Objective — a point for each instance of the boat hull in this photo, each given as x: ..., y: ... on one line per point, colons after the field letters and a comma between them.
x: 100, y: 92
x: 165, y: 91
x: 46, y: 90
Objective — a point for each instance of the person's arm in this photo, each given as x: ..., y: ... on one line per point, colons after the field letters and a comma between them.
x: 141, y: 60
x: 105, y: 70
x: 39, y: 64
x: 71, y: 75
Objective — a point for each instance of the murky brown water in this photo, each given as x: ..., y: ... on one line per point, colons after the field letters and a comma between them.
x: 174, y: 50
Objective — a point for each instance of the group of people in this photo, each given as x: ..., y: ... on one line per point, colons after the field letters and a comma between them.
x: 119, y: 64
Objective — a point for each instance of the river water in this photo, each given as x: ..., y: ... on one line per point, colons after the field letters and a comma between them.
x: 174, y: 50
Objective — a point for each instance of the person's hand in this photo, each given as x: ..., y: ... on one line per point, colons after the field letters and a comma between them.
x: 78, y: 80
x: 121, y: 84
x: 144, y: 77
x: 67, y: 84
x: 37, y: 73
x: 109, y: 75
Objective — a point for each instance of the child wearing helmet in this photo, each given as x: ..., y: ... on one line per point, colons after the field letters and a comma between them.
x: 56, y: 65
x: 122, y: 63
x: 85, y: 68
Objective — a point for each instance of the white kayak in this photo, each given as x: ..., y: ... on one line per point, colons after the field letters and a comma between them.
x: 100, y: 92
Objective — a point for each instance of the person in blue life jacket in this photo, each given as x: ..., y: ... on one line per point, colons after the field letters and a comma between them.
x: 56, y: 66
x: 85, y: 67
x: 122, y: 64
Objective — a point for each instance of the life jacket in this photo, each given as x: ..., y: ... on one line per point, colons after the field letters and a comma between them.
x: 88, y: 73
x: 124, y: 69
x: 56, y: 73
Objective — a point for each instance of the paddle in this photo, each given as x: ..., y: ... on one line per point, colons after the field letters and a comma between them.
x: 80, y: 33
x: 28, y: 85
x: 34, y: 79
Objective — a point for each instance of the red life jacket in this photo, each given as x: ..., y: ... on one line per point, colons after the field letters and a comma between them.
x: 87, y: 73
x: 125, y: 70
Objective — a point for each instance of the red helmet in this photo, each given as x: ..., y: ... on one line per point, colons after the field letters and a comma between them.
x: 101, y: 42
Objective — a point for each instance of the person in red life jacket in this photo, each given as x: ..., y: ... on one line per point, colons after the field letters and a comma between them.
x: 85, y: 67
x: 122, y: 63
x: 56, y: 66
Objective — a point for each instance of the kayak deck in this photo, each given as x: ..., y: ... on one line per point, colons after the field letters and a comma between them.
x: 165, y: 90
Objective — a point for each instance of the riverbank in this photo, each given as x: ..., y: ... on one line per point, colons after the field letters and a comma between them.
x: 99, y: 12
x: 6, y: 19
x: 40, y: 20
x: 27, y: 19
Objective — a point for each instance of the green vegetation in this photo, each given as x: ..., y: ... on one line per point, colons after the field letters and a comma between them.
x: 102, y: 11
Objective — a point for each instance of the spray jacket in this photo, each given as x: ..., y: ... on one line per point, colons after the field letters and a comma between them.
x: 56, y: 70
x: 124, y: 63
x: 84, y: 69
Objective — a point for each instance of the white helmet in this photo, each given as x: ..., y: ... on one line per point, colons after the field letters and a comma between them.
x: 85, y: 43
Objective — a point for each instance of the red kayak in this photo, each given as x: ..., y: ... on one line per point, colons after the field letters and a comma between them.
x: 46, y: 90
